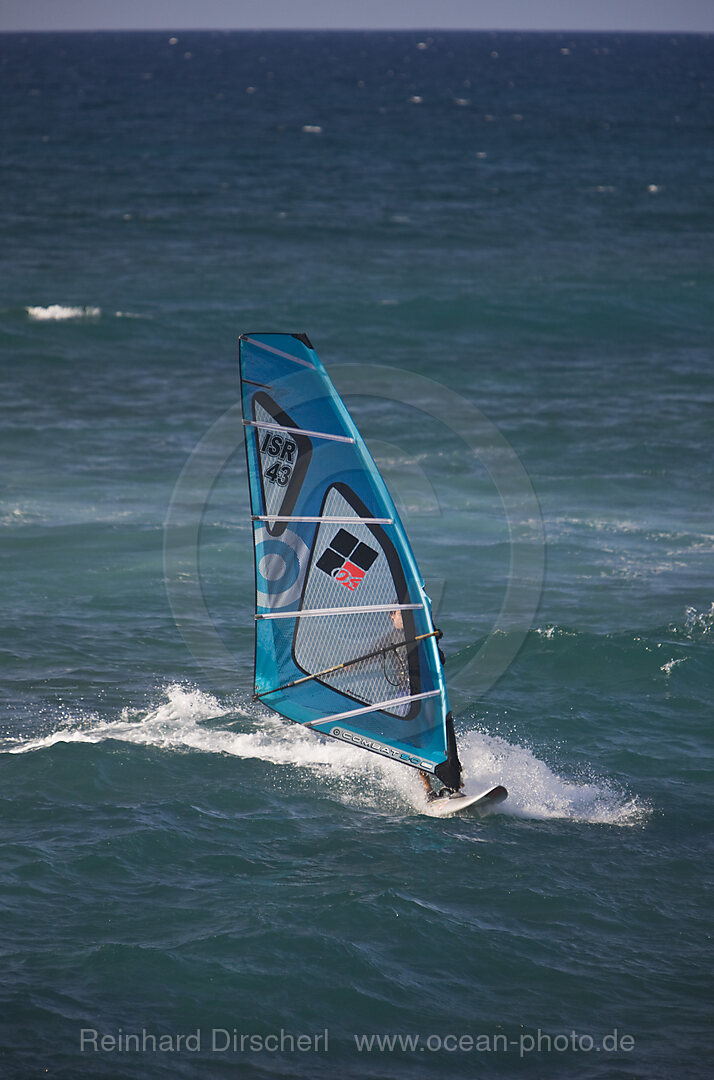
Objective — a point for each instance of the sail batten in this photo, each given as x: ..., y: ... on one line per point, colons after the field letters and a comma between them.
x: 298, y: 431
x: 278, y: 352
x: 347, y: 663
x: 372, y: 708
x: 306, y: 613
x: 330, y: 520
x: 345, y: 641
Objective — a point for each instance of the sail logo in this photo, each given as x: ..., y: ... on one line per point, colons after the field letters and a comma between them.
x: 380, y: 748
x: 347, y: 559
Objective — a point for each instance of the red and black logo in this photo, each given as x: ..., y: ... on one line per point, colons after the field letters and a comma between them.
x: 347, y: 559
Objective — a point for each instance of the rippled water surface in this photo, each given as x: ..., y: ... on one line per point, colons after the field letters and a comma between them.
x: 524, y: 220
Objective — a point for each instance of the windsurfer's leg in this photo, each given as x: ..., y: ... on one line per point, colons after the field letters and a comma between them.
x: 428, y: 784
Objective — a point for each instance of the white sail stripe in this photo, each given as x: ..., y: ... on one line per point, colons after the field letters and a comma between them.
x: 373, y: 708
x: 298, y: 431
x: 279, y: 352
x: 357, y: 610
x: 328, y: 520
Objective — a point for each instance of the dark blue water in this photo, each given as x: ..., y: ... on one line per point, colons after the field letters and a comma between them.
x: 501, y: 246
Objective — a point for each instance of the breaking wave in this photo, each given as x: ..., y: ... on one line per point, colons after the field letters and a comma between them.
x: 62, y: 313
x: 58, y: 313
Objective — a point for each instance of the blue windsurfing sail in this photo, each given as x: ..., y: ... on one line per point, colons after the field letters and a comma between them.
x: 345, y: 642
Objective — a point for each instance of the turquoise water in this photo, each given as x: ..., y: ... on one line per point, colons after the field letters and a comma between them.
x: 526, y: 222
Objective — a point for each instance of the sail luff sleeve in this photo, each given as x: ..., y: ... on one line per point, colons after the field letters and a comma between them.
x: 328, y: 539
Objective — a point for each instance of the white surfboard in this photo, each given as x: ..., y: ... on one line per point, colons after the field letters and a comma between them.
x: 480, y: 804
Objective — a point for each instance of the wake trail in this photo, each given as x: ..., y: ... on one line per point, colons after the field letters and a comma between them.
x: 191, y: 719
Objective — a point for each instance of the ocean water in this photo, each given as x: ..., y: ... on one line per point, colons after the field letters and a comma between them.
x: 501, y: 246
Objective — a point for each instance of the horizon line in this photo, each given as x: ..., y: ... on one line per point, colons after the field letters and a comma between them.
x: 349, y: 30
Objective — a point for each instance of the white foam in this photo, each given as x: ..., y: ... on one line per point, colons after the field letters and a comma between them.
x: 699, y: 624
x: 15, y: 515
x: 173, y: 724
x: 671, y: 664
x: 535, y: 791
x: 551, y: 631
x: 345, y: 772
x: 59, y: 312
